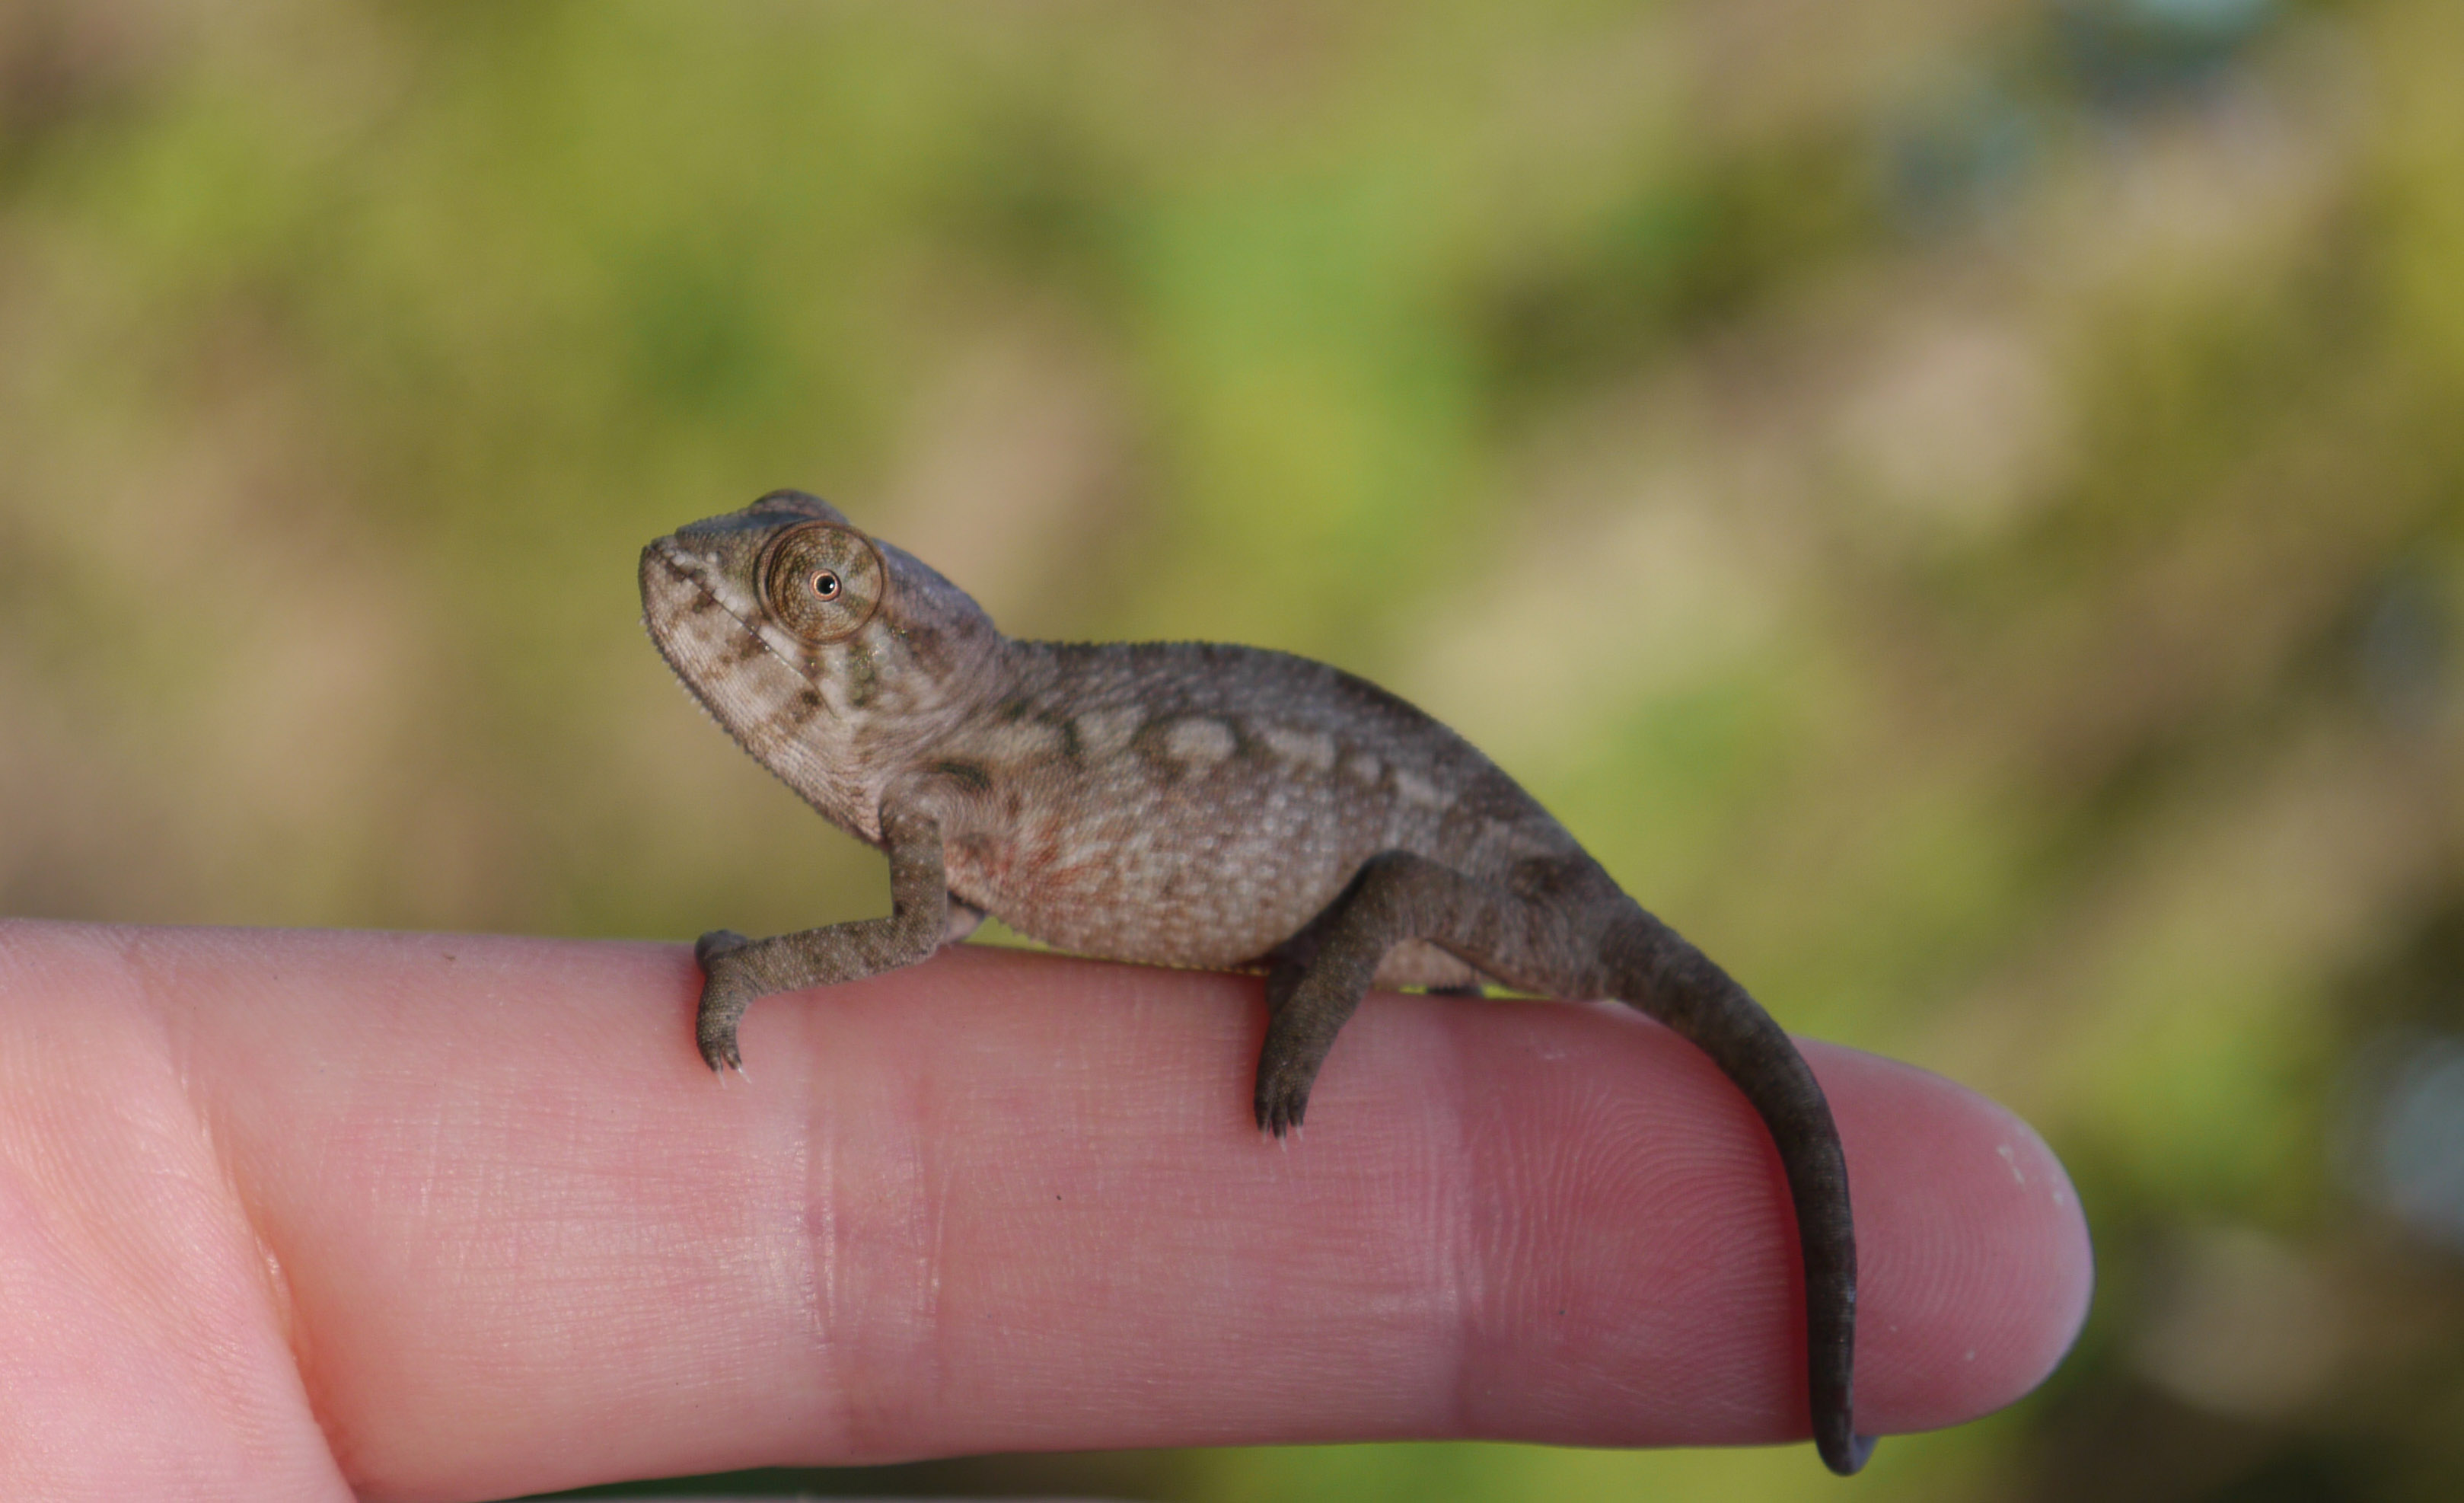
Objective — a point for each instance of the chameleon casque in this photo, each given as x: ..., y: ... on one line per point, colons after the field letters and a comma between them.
x: 1191, y: 804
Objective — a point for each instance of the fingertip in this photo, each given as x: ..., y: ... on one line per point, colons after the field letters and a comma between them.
x: 1975, y: 1265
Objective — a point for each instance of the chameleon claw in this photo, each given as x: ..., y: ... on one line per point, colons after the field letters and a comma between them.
x: 721, y: 1056
x: 1280, y: 1117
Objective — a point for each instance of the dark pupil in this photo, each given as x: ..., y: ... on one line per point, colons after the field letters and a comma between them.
x: 825, y: 584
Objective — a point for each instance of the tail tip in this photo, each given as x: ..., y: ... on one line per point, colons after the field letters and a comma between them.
x: 1845, y: 1452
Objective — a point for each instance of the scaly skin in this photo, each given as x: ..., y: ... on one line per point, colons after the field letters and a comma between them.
x: 1184, y: 803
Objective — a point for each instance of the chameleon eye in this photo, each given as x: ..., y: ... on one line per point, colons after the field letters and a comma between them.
x: 821, y: 580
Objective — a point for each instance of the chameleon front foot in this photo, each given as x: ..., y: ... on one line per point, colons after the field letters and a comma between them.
x: 726, y: 991
x: 717, y: 1036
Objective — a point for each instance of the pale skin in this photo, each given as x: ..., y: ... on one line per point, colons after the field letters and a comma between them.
x: 286, y: 1215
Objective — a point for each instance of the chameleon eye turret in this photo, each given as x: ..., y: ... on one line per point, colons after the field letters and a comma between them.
x: 822, y: 581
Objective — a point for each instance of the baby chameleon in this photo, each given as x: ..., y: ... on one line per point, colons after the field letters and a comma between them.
x: 1184, y: 803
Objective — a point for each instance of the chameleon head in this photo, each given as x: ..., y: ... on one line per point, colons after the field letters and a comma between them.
x: 813, y: 644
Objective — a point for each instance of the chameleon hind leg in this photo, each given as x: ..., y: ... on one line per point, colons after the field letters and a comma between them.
x: 1316, y: 982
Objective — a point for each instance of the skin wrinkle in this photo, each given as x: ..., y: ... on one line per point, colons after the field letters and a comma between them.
x: 143, y: 983
x: 818, y: 1230
x: 936, y: 1333
x: 155, y: 980
x: 896, y: 1297
x: 863, y: 1326
x: 1473, y: 1302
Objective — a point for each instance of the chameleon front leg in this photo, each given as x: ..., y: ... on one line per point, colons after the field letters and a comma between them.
x: 735, y: 970
x: 1396, y: 895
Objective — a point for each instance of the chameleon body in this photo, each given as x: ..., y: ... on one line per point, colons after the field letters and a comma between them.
x: 1184, y: 803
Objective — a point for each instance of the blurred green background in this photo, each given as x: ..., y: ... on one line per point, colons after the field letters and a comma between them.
x: 1960, y: 503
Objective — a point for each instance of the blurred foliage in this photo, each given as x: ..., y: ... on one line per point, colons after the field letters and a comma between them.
x: 1959, y: 501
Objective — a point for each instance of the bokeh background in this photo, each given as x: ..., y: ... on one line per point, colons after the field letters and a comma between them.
x: 1960, y: 503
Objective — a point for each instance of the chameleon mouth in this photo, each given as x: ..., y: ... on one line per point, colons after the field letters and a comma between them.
x: 694, y: 622
x: 685, y: 589
x: 760, y: 694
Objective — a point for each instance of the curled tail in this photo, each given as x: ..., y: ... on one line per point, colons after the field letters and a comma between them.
x: 1653, y: 969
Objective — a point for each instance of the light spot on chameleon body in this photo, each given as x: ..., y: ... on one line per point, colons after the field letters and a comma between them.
x: 1196, y: 743
x: 1314, y: 750
x: 1105, y: 734
x: 1018, y: 741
